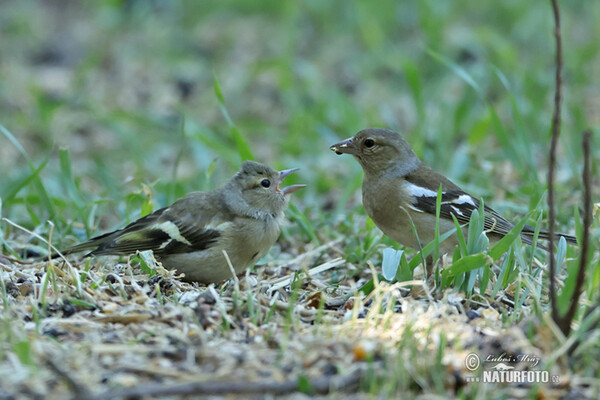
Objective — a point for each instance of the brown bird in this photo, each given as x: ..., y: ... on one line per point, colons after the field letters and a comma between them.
x: 398, y: 188
x: 241, y: 218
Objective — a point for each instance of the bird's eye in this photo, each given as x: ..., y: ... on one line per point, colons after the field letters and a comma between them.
x: 369, y: 143
x: 265, y: 183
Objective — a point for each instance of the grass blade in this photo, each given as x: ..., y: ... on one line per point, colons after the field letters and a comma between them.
x: 390, y: 262
x: 67, y: 177
x: 16, y: 187
x: 503, y: 245
x: 466, y: 264
x: 44, y: 198
x: 243, y: 148
x: 457, y: 69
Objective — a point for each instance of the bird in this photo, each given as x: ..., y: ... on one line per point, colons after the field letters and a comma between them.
x: 399, y: 190
x: 242, y: 219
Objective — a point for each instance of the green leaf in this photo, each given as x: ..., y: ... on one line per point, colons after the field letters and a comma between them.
x: 211, y: 169
x: 67, y: 177
x: 242, y: 145
x: 472, y: 278
x: 413, y: 78
x: 81, y: 303
x: 466, y: 264
x: 457, y: 69
x: 561, y: 252
x: 503, y: 137
x: 148, y: 203
x: 146, y: 261
x: 23, y: 351
x: 458, y: 281
x: 391, y: 262
x: 501, y: 281
x: 503, y: 244
x: 475, y: 230
x: 298, y: 217
x: 479, y: 130
x: 416, y: 260
x: 404, y: 272
x: 304, y: 385
x: 367, y: 288
x: 566, y: 293
x: 534, y: 238
x: 218, y: 91
x: 44, y: 197
x: 16, y: 187
x: 462, y: 244
x: 436, y: 238
x: 484, y: 279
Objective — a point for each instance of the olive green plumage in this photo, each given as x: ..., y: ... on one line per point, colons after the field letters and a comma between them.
x: 398, y: 188
x: 241, y: 218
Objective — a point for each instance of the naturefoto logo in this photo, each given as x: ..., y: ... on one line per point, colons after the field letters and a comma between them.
x: 498, y: 369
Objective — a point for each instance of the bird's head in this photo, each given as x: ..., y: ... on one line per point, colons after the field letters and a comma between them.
x: 378, y: 149
x: 259, y: 186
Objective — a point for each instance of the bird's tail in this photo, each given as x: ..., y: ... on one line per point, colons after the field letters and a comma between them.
x: 528, y: 232
x: 92, y: 244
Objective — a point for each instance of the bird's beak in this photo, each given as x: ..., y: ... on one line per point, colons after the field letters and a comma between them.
x: 346, y: 146
x: 286, y: 172
x: 288, y: 189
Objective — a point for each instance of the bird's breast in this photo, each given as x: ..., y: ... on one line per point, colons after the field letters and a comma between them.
x: 254, y: 237
x: 388, y: 208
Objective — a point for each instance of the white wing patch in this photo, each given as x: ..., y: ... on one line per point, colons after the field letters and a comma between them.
x: 457, y: 204
x: 165, y: 244
x: 464, y: 198
x: 219, y: 226
x: 419, y: 191
x: 173, y: 231
x: 457, y: 210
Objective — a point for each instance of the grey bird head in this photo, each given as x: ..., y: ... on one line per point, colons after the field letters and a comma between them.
x: 378, y: 150
x: 259, y: 186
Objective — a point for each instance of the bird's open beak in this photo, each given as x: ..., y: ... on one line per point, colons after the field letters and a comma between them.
x: 288, y: 189
x: 346, y: 146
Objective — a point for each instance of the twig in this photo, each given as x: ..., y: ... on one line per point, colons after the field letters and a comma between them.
x: 15, y: 271
x: 320, y: 385
x: 552, y: 162
x: 278, y: 283
x: 318, y: 250
x: 80, y: 391
x: 282, y: 305
x: 16, y: 260
x: 50, y: 245
x: 232, y: 270
x: 565, y: 321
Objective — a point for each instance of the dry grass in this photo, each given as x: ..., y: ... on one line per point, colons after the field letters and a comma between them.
x: 119, y: 329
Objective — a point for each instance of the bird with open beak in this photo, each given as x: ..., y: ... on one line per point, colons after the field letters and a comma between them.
x: 241, y: 219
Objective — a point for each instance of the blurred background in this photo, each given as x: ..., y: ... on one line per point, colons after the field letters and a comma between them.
x: 111, y: 108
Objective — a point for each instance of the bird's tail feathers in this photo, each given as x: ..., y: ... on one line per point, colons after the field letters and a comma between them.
x: 93, y: 244
x: 528, y: 232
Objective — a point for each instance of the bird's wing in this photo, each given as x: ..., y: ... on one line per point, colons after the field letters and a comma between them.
x: 461, y: 205
x: 185, y: 226
x: 423, y: 184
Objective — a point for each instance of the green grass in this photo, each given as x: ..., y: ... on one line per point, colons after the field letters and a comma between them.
x: 112, y: 109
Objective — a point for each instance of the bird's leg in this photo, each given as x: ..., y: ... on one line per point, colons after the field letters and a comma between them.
x: 429, y: 264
